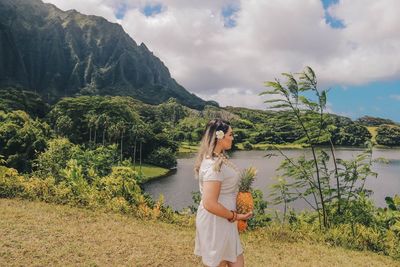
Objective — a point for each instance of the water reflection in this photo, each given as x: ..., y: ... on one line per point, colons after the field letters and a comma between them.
x: 177, y: 187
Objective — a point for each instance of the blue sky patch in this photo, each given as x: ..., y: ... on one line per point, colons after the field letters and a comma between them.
x: 121, y: 10
x: 328, y: 3
x: 333, y: 22
x: 378, y: 99
x: 151, y: 10
x: 228, y: 13
x: 330, y: 20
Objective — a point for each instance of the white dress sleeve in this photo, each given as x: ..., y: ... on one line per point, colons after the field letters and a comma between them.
x: 209, y: 174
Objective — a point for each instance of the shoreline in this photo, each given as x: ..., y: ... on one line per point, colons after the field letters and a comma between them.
x: 154, y: 178
x: 193, y: 148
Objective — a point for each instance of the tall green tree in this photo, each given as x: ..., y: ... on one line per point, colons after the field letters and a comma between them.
x: 13, y: 99
x: 388, y: 135
x: 21, y: 139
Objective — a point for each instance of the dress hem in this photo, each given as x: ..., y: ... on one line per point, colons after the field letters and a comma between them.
x: 205, y: 262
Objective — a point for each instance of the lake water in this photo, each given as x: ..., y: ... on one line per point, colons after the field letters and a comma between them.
x: 177, y: 187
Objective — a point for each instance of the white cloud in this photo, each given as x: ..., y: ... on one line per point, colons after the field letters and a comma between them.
x: 101, y: 8
x: 229, y: 97
x: 395, y: 97
x: 231, y: 64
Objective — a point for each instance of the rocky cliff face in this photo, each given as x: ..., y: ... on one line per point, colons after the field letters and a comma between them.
x: 57, y: 54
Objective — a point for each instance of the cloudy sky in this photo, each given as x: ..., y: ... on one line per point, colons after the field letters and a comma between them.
x: 224, y: 50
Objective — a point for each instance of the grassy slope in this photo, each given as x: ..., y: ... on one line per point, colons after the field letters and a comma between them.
x: 151, y: 172
x: 372, y: 131
x: 35, y: 233
x: 186, y: 148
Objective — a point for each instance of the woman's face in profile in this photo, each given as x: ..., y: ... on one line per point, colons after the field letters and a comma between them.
x: 226, y: 142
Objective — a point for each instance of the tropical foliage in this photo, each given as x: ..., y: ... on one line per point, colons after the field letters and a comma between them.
x: 88, y: 151
x: 333, y: 188
x: 21, y: 139
x: 388, y: 135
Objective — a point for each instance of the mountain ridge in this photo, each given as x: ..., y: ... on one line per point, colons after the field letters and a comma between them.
x: 65, y: 53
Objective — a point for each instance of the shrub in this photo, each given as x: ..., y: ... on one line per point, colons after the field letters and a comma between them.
x: 120, y: 183
x: 351, y: 135
x: 355, y: 236
x: 96, y: 161
x: 179, y: 136
x: 118, y: 191
x: 196, y: 197
x: 118, y: 204
x: 247, y: 146
x: 36, y: 188
x: 11, y: 183
x: 242, y: 123
x: 240, y: 135
x: 55, y: 157
x: 260, y: 218
x: 388, y: 135
x: 80, y: 193
x: 163, y: 157
x: 21, y: 138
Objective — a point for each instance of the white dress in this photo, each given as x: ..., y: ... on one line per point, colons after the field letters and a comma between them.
x: 217, y: 239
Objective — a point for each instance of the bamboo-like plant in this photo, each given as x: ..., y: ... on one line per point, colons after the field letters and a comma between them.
x: 331, y: 189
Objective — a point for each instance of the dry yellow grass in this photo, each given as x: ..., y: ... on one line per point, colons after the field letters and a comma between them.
x: 373, y: 131
x: 41, y: 234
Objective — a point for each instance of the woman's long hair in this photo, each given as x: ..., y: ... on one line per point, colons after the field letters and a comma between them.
x: 208, y: 142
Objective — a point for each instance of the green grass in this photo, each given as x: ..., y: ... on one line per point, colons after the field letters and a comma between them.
x: 41, y: 234
x: 152, y: 172
x: 185, y: 147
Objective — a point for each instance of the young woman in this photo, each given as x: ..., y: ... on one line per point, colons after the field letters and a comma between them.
x: 217, y: 238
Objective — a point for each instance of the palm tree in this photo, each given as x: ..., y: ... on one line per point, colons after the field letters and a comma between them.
x: 91, y: 120
x: 140, y: 155
x: 121, y: 127
x: 104, y: 119
x: 134, y: 130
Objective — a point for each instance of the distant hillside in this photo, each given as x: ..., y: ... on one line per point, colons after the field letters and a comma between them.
x: 57, y: 54
x: 373, y: 121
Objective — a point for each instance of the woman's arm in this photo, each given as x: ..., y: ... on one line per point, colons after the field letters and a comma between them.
x: 211, y: 191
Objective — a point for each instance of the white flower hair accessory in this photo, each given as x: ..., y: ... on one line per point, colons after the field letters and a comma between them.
x: 220, y: 134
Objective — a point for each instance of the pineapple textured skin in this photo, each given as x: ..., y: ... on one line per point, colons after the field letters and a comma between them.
x: 244, y: 200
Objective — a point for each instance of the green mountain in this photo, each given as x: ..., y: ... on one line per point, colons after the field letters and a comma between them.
x: 57, y: 53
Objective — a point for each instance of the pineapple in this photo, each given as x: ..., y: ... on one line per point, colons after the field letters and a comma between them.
x: 242, y: 225
x: 244, y: 200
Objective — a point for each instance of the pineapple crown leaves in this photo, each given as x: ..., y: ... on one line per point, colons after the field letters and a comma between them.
x: 247, y: 177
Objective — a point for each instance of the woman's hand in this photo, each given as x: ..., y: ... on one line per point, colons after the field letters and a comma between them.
x: 244, y: 217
